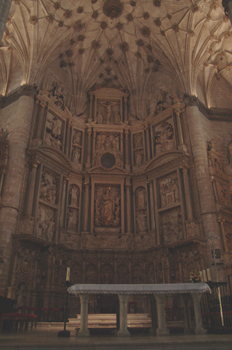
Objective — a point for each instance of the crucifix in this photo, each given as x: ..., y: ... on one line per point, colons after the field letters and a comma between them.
x: 212, y: 238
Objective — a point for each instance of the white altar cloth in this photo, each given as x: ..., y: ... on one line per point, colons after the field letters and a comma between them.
x: 172, y: 288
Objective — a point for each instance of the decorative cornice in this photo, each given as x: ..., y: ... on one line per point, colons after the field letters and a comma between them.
x: 25, y: 90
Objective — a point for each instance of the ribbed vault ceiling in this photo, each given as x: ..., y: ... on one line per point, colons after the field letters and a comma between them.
x: 117, y: 43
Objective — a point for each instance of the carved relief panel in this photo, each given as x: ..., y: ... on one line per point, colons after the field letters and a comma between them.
x: 108, y: 111
x: 49, y: 186
x: 164, y: 137
x: 138, y: 150
x: 108, y: 150
x: 168, y: 188
x: 54, y: 128
x: 141, y: 210
x: 171, y: 225
x: 73, y: 209
x: 45, y: 222
x: 107, y: 208
x: 76, y: 154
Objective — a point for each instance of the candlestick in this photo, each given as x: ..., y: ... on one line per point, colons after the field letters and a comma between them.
x: 68, y: 274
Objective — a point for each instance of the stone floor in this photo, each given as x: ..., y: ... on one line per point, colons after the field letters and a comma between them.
x: 47, y: 339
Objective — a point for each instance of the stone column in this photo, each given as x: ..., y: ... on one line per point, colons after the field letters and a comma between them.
x: 148, y: 142
x: 123, y: 332
x: 40, y: 120
x: 68, y: 135
x: 91, y: 106
x: 125, y: 108
x: 127, y: 166
x: 152, y: 207
x: 188, y: 200
x: 161, y: 330
x: 93, y: 154
x: 16, y: 118
x: 197, y: 311
x: 181, y: 145
x: 86, y: 206
x: 84, y: 332
x: 128, y: 205
x: 63, y: 209
x: 187, y: 327
x: 31, y: 189
x: 89, y: 131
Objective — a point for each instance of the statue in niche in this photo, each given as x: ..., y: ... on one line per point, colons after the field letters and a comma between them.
x: 141, y: 222
x: 138, y: 141
x: 140, y: 198
x: 53, y: 132
x: 76, y: 154
x: 21, y: 294
x: 108, y: 105
x: 117, y: 118
x: 74, y: 193
x: 46, y: 223
x: 138, y: 157
x: 107, y: 208
x: 100, y: 143
x: 48, y: 187
x: 164, y: 138
x: 99, y: 118
x: 77, y: 137
x: 72, y: 220
x: 169, y: 192
x: 56, y: 94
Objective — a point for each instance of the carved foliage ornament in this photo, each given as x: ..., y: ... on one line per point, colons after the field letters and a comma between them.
x: 113, y: 8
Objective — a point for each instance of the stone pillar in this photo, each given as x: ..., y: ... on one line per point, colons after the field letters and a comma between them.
x: 31, y: 189
x: 89, y: 131
x: 125, y: 108
x: 200, y: 131
x: 148, y: 142
x: 16, y: 118
x: 161, y: 330
x: 197, y: 311
x: 86, y: 205
x: 181, y: 145
x: 91, y: 106
x: 63, y: 203
x: 84, y: 332
x: 128, y: 205
x: 123, y: 332
x: 188, y: 200
x: 127, y: 166
x: 68, y: 135
x: 93, y: 151
x: 152, y: 208
x: 187, y: 327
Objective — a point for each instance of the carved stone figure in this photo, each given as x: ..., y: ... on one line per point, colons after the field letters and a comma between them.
x: 117, y: 118
x: 21, y: 294
x: 115, y: 143
x: 107, y: 207
x: 99, y: 118
x: 45, y: 223
x: 72, y: 220
x: 74, y: 193
x: 164, y: 138
x: 108, y: 105
x: 48, y: 187
x: 53, y: 132
x: 138, y: 157
x: 76, y: 154
x: 100, y: 142
x: 223, y: 194
x: 56, y: 94
x: 138, y: 141
x: 77, y: 137
x: 140, y: 198
x: 141, y: 222
x: 169, y: 192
